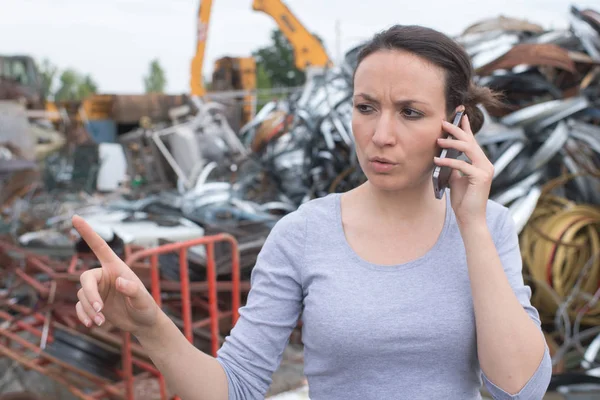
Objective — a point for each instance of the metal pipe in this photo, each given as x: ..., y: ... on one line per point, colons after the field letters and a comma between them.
x: 73, y: 264
x: 34, y: 283
x: 155, y: 289
x: 40, y: 353
x: 155, y: 277
x: 127, y: 365
x: 186, y: 306
x: 48, y: 315
x: 44, y: 371
x: 165, y: 152
x: 211, y: 277
x: 235, y: 277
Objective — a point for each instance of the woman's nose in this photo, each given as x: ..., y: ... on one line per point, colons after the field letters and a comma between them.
x: 385, y: 131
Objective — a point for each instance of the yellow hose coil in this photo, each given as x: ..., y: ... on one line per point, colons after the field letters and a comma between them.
x: 560, y: 245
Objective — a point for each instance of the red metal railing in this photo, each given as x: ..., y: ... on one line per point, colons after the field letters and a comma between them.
x: 211, y: 277
x: 47, y: 315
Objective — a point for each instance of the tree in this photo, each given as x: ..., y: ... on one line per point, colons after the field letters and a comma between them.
x: 87, y: 87
x: 156, y: 80
x: 262, y: 82
x: 277, y: 60
x: 48, y: 72
x: 75, y: 86
x: 262, y: 78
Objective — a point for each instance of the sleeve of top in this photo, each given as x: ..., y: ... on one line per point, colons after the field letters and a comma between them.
x: 253, y: 350
x: 510, y: 255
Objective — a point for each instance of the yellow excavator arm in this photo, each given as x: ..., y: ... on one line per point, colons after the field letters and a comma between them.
x: 308, y: 51
x: 196, y: 79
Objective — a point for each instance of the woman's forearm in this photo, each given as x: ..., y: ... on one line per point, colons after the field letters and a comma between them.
x: 189, y: 373
x: 510, y: 344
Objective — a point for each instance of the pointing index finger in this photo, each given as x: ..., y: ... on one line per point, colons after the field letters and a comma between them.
x: 100, y: 248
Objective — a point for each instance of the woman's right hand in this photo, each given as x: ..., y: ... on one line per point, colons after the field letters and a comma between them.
x: 112, y: 292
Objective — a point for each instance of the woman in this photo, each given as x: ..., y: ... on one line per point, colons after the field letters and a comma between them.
x: 402, y: 295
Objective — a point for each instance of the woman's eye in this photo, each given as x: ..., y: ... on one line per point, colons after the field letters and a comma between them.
x: 364, y: 108
x: 412, y: 114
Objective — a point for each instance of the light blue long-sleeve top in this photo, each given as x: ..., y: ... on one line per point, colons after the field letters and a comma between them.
x: 369, y: 331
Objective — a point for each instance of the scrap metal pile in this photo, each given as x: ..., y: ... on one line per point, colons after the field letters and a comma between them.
x: 194, y: 177
x: 546, y: 150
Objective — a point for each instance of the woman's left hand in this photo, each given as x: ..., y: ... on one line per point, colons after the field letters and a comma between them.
x: 470, y: 182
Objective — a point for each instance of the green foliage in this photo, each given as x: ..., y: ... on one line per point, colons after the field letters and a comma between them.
x: 48, y: 72
x: 262, y: 78
x: 277, y: 61
x: 64, y: 85
x: 262, y: 82
x: 74, y: 86
x: 155, y: 81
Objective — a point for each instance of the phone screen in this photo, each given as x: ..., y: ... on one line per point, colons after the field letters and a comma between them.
x: 441, y: 175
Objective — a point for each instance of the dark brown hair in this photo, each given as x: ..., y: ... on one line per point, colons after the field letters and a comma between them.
x: 444, y: 52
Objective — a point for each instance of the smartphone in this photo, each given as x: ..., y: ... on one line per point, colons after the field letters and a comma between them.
x: 441, y: 175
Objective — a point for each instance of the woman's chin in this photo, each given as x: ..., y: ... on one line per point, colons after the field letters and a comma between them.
x: 393, y: 183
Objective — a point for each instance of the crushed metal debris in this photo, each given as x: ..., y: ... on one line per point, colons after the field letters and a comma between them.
x: 189, y: 176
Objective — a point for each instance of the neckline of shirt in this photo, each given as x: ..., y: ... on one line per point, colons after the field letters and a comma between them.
x: 341, y: 237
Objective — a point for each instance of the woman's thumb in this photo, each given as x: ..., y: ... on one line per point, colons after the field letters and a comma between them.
x: 133, y: 290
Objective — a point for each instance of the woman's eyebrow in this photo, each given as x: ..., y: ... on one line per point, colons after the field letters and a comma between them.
x: 367, y: 97
x: 407, y: 102
x: 402, y: 102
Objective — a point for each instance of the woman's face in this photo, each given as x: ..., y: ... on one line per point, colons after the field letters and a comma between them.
x: 399, y: 106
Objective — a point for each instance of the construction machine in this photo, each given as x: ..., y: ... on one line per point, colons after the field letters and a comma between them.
x: 308, y: 50
x: 239, y: 73
x: 20, y: 80
x: 196, y: 79
x: 229, y: 73
x: 236, y: 74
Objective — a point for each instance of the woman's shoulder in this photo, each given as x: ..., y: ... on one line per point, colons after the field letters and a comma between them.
x: 317, y: 209
x: 289, y: 237
x: 321, y: 210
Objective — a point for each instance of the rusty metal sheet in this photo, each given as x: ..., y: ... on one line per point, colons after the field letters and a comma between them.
x: 130, y: 109
x: 531, y: 54
x: 302, y: 147
x: 503, y: 23
x: 592, y: 17
x: 582, y: 58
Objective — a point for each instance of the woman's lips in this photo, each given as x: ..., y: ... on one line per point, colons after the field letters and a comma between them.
x: 380, y: 166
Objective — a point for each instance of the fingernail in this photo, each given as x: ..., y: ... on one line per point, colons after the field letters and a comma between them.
x: 98, y: 319
x: 97, y: 306
x: 87, y: 323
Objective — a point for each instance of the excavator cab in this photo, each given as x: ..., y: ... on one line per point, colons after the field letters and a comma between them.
x: 20, y: 80
x: 236, y: 74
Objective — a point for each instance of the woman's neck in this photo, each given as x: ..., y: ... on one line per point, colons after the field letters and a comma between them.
x: 407, y: 205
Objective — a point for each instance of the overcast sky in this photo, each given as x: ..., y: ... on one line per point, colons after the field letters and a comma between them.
x: 114, y: 40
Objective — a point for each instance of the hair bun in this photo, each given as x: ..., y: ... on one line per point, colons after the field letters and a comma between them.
x: 479, y: 95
